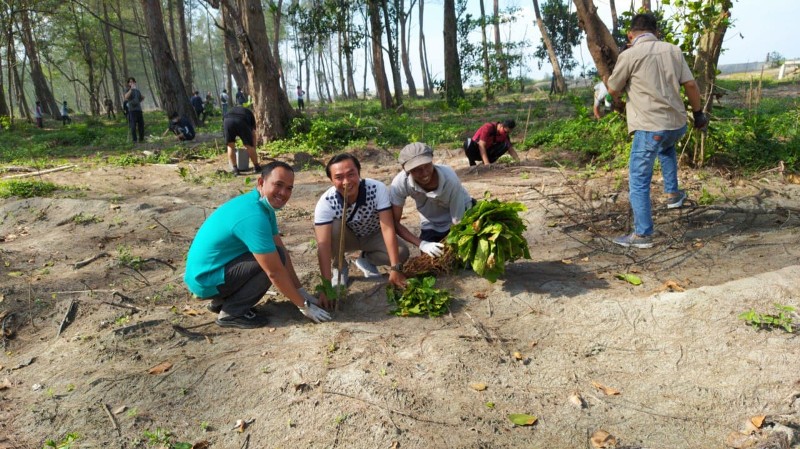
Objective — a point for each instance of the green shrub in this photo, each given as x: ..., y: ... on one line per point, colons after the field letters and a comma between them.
x: 26, y: 188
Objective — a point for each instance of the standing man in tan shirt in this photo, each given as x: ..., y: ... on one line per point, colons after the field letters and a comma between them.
x: 652, y: 73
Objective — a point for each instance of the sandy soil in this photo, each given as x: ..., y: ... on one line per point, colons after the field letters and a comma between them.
x: 688, y: 372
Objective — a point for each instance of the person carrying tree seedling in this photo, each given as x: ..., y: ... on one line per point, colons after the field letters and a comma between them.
x: 438, y: 194
x: 602, y: 100
x: 491, y: 141
x: 237, y: 255
x: 369, y: 226
x: 652, y: 73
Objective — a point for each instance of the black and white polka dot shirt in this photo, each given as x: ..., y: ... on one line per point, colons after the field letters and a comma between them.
x: 362, y: 216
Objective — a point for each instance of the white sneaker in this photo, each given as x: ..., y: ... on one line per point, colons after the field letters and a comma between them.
x: 366, y: 267
x: 335, y: 276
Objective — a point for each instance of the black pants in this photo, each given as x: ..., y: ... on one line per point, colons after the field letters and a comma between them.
x: 136, y: 124
x: 245, y: 284
x: 494, y: 152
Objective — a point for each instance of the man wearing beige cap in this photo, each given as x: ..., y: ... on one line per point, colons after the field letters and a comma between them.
x: 440, y: 198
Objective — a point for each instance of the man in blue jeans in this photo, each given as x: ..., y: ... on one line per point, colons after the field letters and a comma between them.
x: 652, y: 73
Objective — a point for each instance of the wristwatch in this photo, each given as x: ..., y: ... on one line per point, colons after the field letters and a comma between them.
x: 398, y: 267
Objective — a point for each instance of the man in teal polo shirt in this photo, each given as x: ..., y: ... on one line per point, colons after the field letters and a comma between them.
x: 237, y: 254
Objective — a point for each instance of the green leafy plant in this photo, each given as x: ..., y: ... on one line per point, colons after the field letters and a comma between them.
x: 162, y: 438
x: 782, y: 320
x: 489, y: 236
x: 325, y: 287
x: 85, y: 219
x: 64, y: 443
x: 419, y: 298
x: 125, y: 258
x: 26, y: 188
x: 706, y: 197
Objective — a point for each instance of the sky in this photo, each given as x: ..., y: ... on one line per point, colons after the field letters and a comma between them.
x: 759, y: 27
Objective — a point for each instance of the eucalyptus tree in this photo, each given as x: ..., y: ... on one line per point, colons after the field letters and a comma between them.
x: 378, y: 70
x: 560, y: 35
x: 601, y: 43
x: 174, y: 95
x: 28, y: 18
x: 270, y: 104
x: 498, y: 46
x: 403, y: 20
x: 427, y: 82
x: 454, y: 89
x: 390, y: 23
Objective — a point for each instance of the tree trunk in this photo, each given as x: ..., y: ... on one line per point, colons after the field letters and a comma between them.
x: 708, y: 50
x: 89, y: 60
x: 561, y: 86
x: 498, y: 48
x: 171, y: 23
x: 646, y: 5
x: 277, y: 15
x: 233, y: 55
x: 4, y: 109
x: 454, y: 88
x: 186, y: 60
x: 427, y: 88
x: 119, y: 87
x: 112, y: 58
x: 614, y: 18
x: 174, y: 97
x: 340, y: 66
x: 41, y: 88
x: 270, y: 104
x: 22, y: 101
x: 412, y: 87
x: 394, y: 64
x: 487, y: 88
x: 601, y: 44
x: 154, y: 94
x: 211, y: 58
x: 348, y: 58
x: 378, y: 71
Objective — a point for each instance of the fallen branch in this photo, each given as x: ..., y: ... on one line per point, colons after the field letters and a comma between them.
x: 68, y: 317
x: 85, y: 262
x: 111, y: 417
x: 40, y: 172
x: 124, y: 306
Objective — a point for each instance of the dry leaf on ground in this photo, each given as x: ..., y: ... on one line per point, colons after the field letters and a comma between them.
x: 478, y: 386
x: 201, y: 445
x: 517, y: 355
x: 672, y: 286
x: 603, y: 440
x: 758, y: 420
x: 577, y: 400
x: 522, y: 419
x: 120, y: 409
x: 188, y: 311
x: 161, y: 368
x: 5, y: 384
x: 607, y: 390
x: 480, y: 295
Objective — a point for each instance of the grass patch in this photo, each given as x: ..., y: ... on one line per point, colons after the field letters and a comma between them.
x: 26, y: 188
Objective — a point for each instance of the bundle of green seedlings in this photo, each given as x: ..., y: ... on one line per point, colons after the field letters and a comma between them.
x: 488, y: 236
x: 419, y: 298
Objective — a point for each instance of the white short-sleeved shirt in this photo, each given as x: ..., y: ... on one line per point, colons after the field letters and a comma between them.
x: 362, y: 216
x: 437, y: 209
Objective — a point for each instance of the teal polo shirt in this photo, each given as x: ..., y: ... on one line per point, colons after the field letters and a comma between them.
x: 243, y: 224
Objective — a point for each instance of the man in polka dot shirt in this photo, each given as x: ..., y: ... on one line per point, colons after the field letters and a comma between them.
x: 370, y: 224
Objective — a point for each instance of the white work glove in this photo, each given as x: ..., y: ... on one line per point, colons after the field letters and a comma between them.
x: 314, y: 313
x: 308, y: 296
x: 432, y: 249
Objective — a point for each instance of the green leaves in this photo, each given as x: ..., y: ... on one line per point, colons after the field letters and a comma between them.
x: 782, y: 320
x: 488, y: 236
x: 629, y: 278
x: 522, y: 419
x: 419, y: 298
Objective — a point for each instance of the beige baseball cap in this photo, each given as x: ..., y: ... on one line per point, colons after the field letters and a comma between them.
x: 415, y: 154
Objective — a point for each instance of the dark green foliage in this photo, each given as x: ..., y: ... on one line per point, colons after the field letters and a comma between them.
x: 489, y: 236
x: 418, y: 299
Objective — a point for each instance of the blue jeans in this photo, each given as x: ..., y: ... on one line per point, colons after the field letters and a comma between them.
x: 646, y: 146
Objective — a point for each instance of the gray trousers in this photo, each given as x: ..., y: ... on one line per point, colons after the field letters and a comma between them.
x: 245, y: 284
x: 373, y: 246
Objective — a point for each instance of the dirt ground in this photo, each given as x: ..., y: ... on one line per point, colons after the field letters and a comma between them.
x: 544, y: 340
